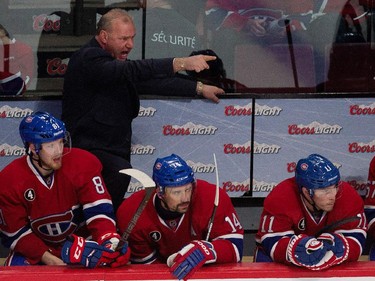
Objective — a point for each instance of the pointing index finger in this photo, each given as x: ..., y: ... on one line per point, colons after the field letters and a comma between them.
x: 209, y: 58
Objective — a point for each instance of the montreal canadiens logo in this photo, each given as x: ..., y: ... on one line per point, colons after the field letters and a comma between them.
x: 158, y: 166
x: 155, y: 236
x: 29, y: 194
x: 29, y: 119
x: 304, y: 166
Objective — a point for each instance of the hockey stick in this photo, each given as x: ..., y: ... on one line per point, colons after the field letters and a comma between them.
x: 291, y: 52
x: 149, y: 186
x: 332, y: 226
x: 216, y: 201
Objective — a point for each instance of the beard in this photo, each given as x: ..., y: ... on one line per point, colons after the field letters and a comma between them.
x: 53, y: 163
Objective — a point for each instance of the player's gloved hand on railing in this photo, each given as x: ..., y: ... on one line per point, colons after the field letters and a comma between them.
x: 309, y: 252
x: 76, y: 250
x: 123, y: 258
x: 336, y: 243
x: 111, y: 241
x: 190, y: 258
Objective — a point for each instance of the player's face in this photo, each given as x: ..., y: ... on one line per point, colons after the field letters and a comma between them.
x: 177, y: 199
x: 325, y: 198
x: 119, y: 39
x: 50, y: 155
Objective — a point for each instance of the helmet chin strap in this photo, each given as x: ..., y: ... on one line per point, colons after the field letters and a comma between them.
x: 41, y: 166
x: 316, y: 210
x: 163, y: 209
x: 165, y: 205
x: 31, y: 154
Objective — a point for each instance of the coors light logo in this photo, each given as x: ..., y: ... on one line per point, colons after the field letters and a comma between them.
x: 262, y: 186
x: 314, y: 128
x: 188, y: 129
x: 57, y: 66
x: 11, y: 150
x: 260, y: 110
x: 133, y: 187
x: 14, y: 112
x: 360, y: 147
x: 259, y: 148
x: 200, y: 167
x: 360, y: 186
x: 146, y: 111
x: 139, y: 149
x: 47, y: 23
x: 237, y: 187
x: 356, y: 109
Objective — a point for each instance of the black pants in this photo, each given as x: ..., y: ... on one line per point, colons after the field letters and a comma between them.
x: 117, y: 183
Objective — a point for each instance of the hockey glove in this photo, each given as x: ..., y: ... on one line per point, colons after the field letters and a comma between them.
x: 307, y: 251
x: 88, y: 253
x: 336, y: 243
x: 111, y: 241
x: 190, y: 258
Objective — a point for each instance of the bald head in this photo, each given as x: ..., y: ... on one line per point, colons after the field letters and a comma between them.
x: 105, y: 22
x: 115, y: 33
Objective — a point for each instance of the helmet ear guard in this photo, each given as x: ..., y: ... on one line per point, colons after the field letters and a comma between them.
x: 159, y: 191
x: 37, y: 148
x: 171, y: 171
x: 315, y: 172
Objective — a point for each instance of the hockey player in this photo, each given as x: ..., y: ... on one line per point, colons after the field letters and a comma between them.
x: 257, y: 18
x: 50, y: 196
x: 16, y: 64
x: 370, y: 208
x: 174, y: 224
x: 322, y: 224
x: 266, y: 17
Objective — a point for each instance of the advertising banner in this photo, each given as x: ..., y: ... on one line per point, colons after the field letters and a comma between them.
x: 250, y: 162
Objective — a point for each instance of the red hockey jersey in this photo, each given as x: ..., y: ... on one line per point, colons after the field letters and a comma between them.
x: 36, y: 217
x: 152, y: 240
x: 285, y: 214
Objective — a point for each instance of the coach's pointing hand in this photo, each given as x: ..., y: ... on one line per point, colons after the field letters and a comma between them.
x: 194, y: 63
